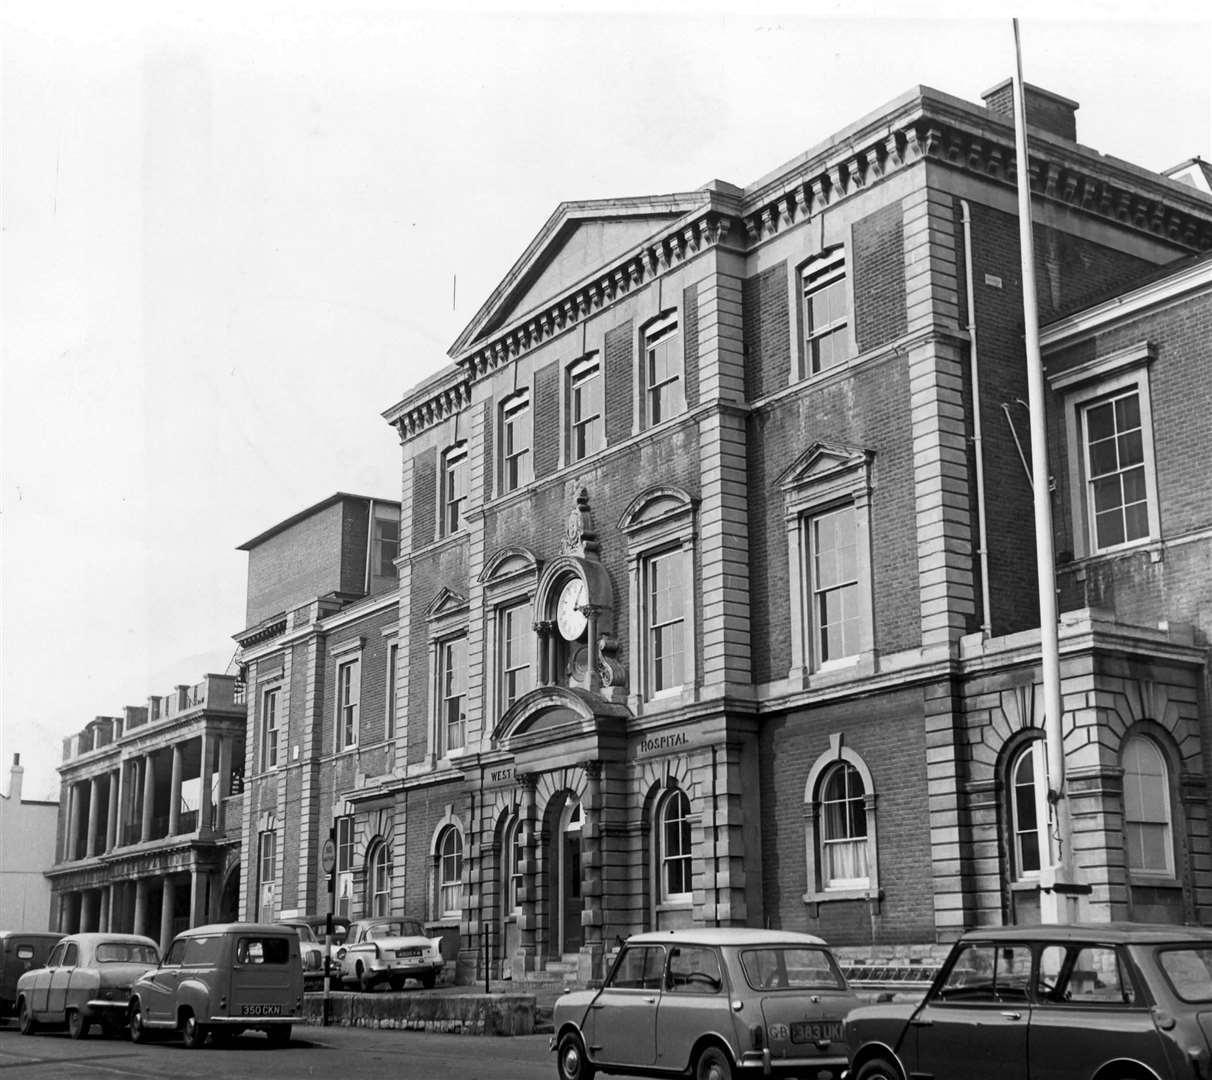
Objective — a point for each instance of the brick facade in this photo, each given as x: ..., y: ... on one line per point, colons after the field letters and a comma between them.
x: 740, y: 722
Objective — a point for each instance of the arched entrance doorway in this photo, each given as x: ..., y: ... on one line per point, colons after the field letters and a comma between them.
x: 229, y: 898
x: 568, y: 935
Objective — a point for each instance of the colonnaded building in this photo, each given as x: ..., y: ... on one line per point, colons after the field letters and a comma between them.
x: 709, y: 595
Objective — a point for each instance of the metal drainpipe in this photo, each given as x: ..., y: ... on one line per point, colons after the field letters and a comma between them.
x: 977, y: 445
x: 370, y: 545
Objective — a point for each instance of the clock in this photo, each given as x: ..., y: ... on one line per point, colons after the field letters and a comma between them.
x: 570, y: 619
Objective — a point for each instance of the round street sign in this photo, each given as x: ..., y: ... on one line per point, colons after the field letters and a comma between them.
x: 328, y: 855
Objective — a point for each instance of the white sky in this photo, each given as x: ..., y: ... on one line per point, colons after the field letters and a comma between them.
x: 230, y: 237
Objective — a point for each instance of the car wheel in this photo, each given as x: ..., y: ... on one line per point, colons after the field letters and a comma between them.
x: 25, y: 1019
x: 279, y: 1035
x: 878, y: 1069
x: 138, y: 1033
x: 571, y: 1062
x: 428, y: 980
x: 77, y: 1025
x: 193, y: 1034
x: 713, y: 1064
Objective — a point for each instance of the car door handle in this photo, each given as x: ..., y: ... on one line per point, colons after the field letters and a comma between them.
x: 1012, y: 1015
x: 650, y: 1000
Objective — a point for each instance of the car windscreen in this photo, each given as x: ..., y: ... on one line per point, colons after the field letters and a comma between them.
x: 791, y: 967
x: 394, y: 928
x: 262, y: 950
x: 126, y: 952
x: 1189, y: 971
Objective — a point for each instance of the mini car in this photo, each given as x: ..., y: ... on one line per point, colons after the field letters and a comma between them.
x: 311, y: 952
x: 20, y: 951
x: 391, y: 951
x: 710, y: 1004
x: 1112, y: 1001
x: 220, y: 980
x: 86, y: 981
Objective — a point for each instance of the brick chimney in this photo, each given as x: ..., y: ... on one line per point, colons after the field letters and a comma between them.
x: 15, y: 776
x: 1055, y: 114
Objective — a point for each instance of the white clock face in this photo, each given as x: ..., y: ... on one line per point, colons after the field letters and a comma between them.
x: 569, y: 618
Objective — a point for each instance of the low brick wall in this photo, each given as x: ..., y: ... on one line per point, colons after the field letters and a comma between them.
x: 452, y: 1014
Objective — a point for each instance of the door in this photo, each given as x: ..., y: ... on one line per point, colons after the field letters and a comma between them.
x: 40, y: 992
x: 60, y: 979
x: 620, y: 1029
x: 570, y: 902
x: 694, y: 1000
x: 975, y: 1024
x: 159, y: 993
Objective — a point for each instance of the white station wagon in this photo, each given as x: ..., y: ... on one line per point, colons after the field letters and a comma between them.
x: 711, y: 1004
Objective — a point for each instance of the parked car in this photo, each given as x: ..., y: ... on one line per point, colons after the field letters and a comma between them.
x: 221, y: 980
x: 709, y: 1003
x: 311, y: 952
x: 86, y: 981
x: 20, y: 951
x: 391, y: 951
x: 1127, y: 1001
x: 319, y: 923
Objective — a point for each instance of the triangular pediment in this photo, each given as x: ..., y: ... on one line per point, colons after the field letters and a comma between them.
x: 579, y: 241
x: 447, y: 602
x: 821, y: 461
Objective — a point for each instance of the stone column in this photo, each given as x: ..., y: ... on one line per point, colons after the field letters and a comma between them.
x: 149, y: 797
x: 111, y: 817
x: 167, y: 904
x: 140, y: 922
x: 70, y: 850
x: 594, y: 949
x: 206, y: 817
x: 88, y: 910
x: 224, y: 780
x: 65, y: 912
x: 94, y: 812
x: 174, y: 796
x: 526, y: 958
x: 103, y: 920
x: 199, y: 896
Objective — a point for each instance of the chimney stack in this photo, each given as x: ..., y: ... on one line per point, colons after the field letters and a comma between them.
x: 14, y: 784
x: 1054, y: 114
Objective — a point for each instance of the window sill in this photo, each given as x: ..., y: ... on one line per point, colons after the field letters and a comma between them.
x: 874, y: 897
x: 676, y: 905
x: 1153, y: 881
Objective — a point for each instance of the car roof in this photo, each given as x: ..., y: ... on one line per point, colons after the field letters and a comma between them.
x: 724, y: 935
x: 1110, y: 932
x: 94, y: 937
x: 234, y: 927
x: 41, y: 935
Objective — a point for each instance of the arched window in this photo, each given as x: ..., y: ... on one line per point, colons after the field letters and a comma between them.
x: 378, y: 880
x: 1028, y: 786
x: 513, y: 866
x: 840, y: 846
x: 450, y: 874
x: 843, y: 831
x: 673, y: 848
x: 1148, y: 830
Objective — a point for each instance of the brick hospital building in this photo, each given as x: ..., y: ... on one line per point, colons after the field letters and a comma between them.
x: 709, y: 594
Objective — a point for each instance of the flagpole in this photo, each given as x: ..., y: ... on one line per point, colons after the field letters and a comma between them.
x: 1056, y: 853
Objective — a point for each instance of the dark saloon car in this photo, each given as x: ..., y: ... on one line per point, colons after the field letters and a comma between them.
x: 711, y: 1004
x: 1110, y: 1001
x: 20, y: 951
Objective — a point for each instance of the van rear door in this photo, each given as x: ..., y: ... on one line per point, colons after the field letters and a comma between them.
x: 266, y: 975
